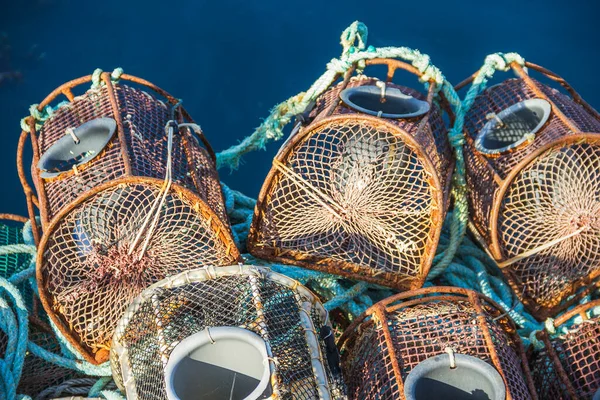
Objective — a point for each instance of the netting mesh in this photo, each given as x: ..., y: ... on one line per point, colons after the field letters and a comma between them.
x: 357, y: 195
x: 88, y: 275
x: 577, y: 354
x: 39, y: 374
x: 12, y: 263
x: 253, y: 298
x: 420, y: 328
x: 143, y: 118
x: 554, y: 195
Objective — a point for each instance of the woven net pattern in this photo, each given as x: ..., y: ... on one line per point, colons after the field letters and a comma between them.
x: 535, y: 210
x: 12, y: 263
x: 166, y: 314
x: 555, y: 196
x: 353, y: 195
x: 579, y: 355
x: 88, y: 273
x: 144, y: 118
x: 39, y: 374
x: 423, y: 329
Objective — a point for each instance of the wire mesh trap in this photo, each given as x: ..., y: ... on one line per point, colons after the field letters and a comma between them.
x: 360, y: 189
x: 439, y: 342
x: 236, y: 332
x: 532, y: 157
x: 128, y: 194
x: 568, y: 367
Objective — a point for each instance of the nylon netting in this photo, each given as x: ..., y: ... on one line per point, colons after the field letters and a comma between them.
x: 186, y: 304
x: 12, y: 263
x: 553, y: 197
x: 89, y: 275
x: 578, y: 352
x: 420, y: 329
x: 144, y: 118
x: 352, y: 192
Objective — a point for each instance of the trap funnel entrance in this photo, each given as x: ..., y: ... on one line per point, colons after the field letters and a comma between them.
x: 219, y: 363
x: 386, y: 102
x: 513, y: 126
x: 84, y: 144
x: 470, y: 379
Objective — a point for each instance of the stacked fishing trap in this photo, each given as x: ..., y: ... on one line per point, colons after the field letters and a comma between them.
x: 435, y: 343
x: 128, y: 194
x: 135, y: 253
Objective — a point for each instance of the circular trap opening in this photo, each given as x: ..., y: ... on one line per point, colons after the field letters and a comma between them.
x: 513, y: 126
x: 221, y: 363
x: 596, y: 395
x: 470, y: 379
x: 87, y: 141
x: 388, y: 102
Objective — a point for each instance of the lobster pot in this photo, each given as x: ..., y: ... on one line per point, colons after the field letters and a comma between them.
x: 435, y: 343
x: 568, y: 367
x: 238, y: 332
x: 360, y: 188
x: 532, y: 156
x: 128, y: 194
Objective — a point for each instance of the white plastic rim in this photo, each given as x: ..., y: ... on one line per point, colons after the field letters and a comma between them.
x: 65, y: 153
x: 469, y: 373
x: 534, y: 106
x: 209, y: 336
x: 366, y: 99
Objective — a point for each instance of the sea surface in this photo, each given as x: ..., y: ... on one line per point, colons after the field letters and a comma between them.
x: 231, y: 61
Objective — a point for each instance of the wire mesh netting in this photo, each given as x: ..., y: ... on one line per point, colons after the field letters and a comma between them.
x: 12, y: 263
x: 357, y: 195
x: 536, y: 205
x: 383, y: 346
x: 554, y: 197
x: 283, y: 313
x: 128, y: 194
x: 144, y: 118
x: 39, y: 374
x: 569, y: 366
x: 88, y: 273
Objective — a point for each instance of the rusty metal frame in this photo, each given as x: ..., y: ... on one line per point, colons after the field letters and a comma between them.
x: 493, y: 248
x: 441, y: 199
x: 377, y: 314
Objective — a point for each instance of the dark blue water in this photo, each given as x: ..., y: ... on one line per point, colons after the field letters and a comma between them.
x: 231, y: 61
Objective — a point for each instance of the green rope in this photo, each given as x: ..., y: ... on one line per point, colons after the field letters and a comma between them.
x: 353, y: 42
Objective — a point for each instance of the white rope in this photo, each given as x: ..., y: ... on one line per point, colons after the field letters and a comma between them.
x: 160, y: 200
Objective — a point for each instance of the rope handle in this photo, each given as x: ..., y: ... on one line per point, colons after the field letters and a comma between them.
x: 355, y: 54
